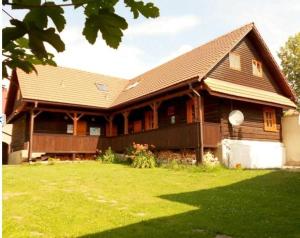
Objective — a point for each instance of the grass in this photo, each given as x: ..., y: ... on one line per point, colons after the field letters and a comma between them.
x: 115, y: 201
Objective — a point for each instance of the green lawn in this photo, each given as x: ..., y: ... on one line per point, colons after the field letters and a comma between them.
x: 100, y: 200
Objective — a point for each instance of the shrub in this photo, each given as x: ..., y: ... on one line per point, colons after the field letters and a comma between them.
x: 144, y: 161
x: 210, y: 160
x: 141, y: 156
x: 109, y: 156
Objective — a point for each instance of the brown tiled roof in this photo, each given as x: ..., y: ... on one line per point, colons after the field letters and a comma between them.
x: 63, y: 85
x: 71, y: 86
x: 197, y: 62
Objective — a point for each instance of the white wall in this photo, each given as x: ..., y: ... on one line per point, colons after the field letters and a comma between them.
x: 252, y: 154
x: 291, y: 138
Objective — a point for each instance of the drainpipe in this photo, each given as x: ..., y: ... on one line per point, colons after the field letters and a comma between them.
x: 199, y: 146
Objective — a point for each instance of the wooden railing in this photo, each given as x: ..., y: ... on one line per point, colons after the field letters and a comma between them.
x: 60, y: 143
x: 174, y: 137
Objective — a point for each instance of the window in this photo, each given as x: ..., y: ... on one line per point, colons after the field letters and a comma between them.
x: 234, y: 61
x: 148, y: 120
x: 102, y: 87
x: 269, y: 119
x: 257, y: 68
x: 171, y: 111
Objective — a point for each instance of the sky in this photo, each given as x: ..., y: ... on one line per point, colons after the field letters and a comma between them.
x: 182, y: 26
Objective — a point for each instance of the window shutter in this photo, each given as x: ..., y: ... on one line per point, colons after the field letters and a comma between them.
x: 148, y: 120
x: 234, y: 61
x: 189, y: 111
x: 137, y: 126
x: 269, y: 115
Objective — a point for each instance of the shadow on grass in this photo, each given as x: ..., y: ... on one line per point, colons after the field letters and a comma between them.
x: 264, y: 206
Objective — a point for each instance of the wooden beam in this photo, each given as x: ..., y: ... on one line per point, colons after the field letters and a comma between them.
x: 36, y: 114
x: 31, y: 127
x: 155, y: 105
x: 159, y: 99
x: 199, y: 117
x: 125, y: 115
x: 75, y: 124
x: 81, y: 115
x: 68, y: 111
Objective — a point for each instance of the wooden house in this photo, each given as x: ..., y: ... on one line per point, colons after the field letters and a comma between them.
x: 181, y: 104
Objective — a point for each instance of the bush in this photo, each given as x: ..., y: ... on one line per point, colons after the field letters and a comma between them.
x: 108, y: 157
x: 144, y: 161
x: 210, y: 160
x: 141, y: 156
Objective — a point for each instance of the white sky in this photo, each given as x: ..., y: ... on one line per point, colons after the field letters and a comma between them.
x: 182, y: 26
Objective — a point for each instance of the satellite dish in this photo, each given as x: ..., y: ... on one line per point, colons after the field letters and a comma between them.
x: 236, y: 118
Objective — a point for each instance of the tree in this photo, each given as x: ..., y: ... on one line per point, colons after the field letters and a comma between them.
x: 23, y: 42
x: 290, y: 62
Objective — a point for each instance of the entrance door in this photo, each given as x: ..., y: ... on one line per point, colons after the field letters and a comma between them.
x: 81, y: 128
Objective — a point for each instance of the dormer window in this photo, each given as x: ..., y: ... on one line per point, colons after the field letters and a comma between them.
x: 102, y: 87
x: 234, y: 61
x: 257, y: 68
x: 130, y: 86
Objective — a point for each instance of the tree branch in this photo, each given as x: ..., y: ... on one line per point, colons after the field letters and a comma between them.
x: 42, y: 6
x: 7, y: 14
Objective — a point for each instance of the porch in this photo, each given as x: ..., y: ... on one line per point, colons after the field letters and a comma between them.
x: 176, y: 122
x: 180, y: 136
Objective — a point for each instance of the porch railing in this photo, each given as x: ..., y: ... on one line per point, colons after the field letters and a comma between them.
x: 60, y: 143
x: 174, y: 137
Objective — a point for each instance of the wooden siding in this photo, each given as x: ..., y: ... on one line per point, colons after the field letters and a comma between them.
x: 181, y: 136
x: 19, y: 133
x: 247, y: 52
x: 57, y: 143
x: 253, y: 126
x: 56, y: 123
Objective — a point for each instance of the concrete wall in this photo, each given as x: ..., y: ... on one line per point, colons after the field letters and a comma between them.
x: 17, y: 157
x: 291, y: 138
x: 252, y: 154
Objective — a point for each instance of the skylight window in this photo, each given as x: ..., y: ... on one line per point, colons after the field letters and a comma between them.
x: 130, y: 86
x: 102, y: 87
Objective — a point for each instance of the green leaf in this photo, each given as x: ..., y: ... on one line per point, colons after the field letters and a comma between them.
x: 37, y: 17
x: 12, y: 33
x: 148, y: 10
x: 25, y: 4
x: 37, y: 38
x: 56, y: 15
x: 23, y: 42
x: 109, y: 24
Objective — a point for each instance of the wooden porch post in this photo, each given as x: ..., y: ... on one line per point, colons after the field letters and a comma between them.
x: 199, y: 118
x: 75, y: 124
x: 31, y: 128
x: 155, y: 106
x: 75, y: 119
x: 125, y: 115
x: 31, y: 125
x: 110, y: 125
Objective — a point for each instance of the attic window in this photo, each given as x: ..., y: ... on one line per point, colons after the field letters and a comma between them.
x: 130, y: 86
x: 234, y: 61
x: 102, y: 87
x: 257, y: 68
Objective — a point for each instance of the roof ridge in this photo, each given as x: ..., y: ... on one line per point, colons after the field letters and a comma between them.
x: 202, y: 45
